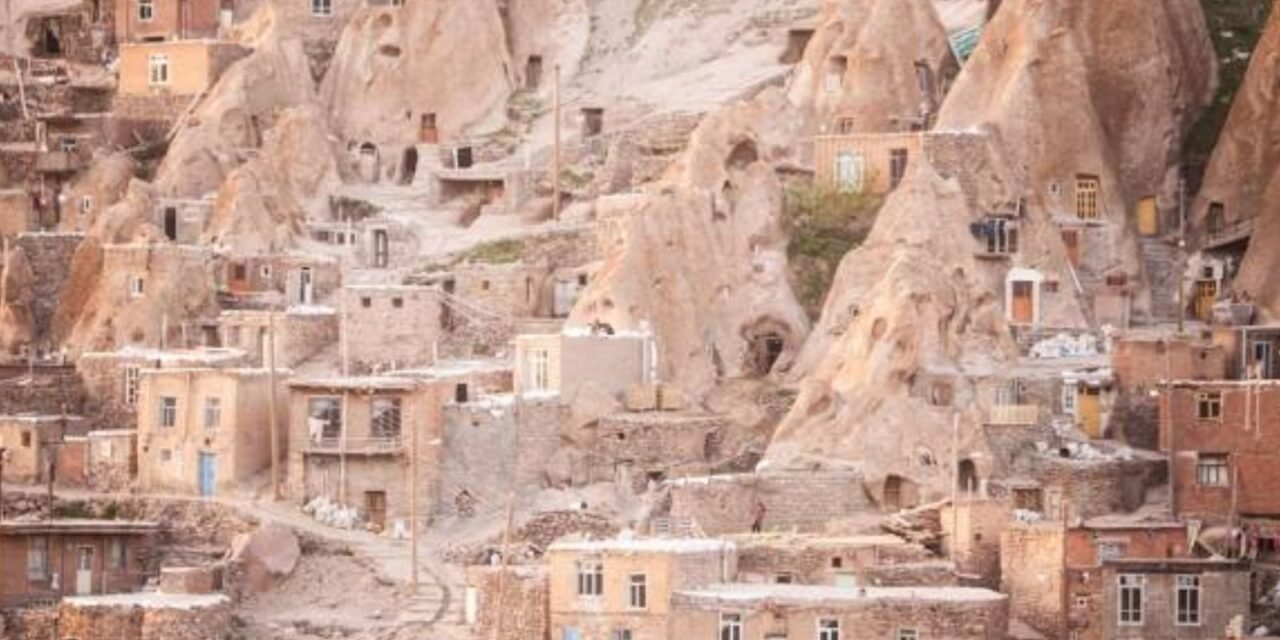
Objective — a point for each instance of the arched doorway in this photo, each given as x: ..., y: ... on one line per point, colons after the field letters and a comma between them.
x: 409, y: 165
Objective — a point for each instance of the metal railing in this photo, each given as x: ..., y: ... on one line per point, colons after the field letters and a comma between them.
x: 355, y: 445
x: 1230, y: 232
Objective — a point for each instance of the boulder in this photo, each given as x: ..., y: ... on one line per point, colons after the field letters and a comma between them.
x: 265, y: 557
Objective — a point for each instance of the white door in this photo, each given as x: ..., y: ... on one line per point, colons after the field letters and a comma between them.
x: 849, y: 172
x: 84, y: 571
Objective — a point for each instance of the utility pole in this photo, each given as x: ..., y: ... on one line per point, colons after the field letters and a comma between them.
x: 3, y: 453
x: 271, y: 405
x: 955, y: 483
x: 555, y: 169
x: 4, y: 273
x: 1182, y: 249
x: 415, y: 434
x: 502, y: 576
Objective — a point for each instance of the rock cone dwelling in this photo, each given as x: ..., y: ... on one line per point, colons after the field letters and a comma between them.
x: 617, y: 320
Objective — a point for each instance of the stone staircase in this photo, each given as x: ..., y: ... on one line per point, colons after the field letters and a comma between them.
x: 1161, y: 267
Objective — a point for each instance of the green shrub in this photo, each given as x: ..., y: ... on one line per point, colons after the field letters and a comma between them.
x: 823, y: 224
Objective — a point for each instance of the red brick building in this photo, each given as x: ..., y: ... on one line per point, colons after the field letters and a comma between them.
x: 45, y: 560
x: 1063, y: 582
x: 1223, y: 439
x: 151, y: 20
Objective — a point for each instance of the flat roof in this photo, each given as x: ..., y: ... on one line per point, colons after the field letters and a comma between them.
x: 743, y: 594
x: 168, y: 355
x: 151, y: 600
x: 31, y: 417
x: 645, y: 545
x: 358, y: 383
x: 76, y: 526
x: 454, y: 368
x: 817, y: 540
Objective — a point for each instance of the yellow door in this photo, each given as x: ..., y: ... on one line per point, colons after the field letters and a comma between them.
x: 1206, y: 295
x: 1148, y: 220
x: 1089, y: 411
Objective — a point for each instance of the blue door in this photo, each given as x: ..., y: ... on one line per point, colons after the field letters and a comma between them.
x: 207, y: 461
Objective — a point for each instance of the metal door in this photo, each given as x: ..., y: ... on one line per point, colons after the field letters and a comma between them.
x: 1148, y: 218
x: 1023, y: 302
x: 207, y: 463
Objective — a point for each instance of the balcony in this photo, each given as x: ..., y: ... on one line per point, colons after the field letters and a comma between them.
x: 368, y: 446
x: 1014, y: 415
x: 1228, y: 233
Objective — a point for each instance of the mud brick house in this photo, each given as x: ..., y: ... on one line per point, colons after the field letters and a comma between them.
x: 655, y: 445
x: 566, y: 362
x: 389, y: 327
x: 1118, y: 578
x: 624, y: 588
x: 807, y: 502
x: 179, y: 68
x: 31, y: 442
x: 354, y: 440
x: 46, y: 560
x: 300, y: 333
x: 205, y: 431
x: 277, y: 280
x: 112, y: 378
x: 801, y: 612
x: 1223, y: 443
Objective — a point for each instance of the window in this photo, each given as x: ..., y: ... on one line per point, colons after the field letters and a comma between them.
x: 1002, y: 236
x: 322, y: 8
x: 539, y: 370
x: 324, y: 418
x: 386, y: 418
x: 783, y: 578
x: 731, y: 626
x: 265, y: 270
x: 166, y: 455
x: 620, y: 634
x: 1087, y: 197
x: 136, y: 286
x: 38, y: 558
x: 86, y: 205
x: 381, y: 248
x: 844, y: 126
x: 26, y: 439
x: 397, y: 303
x: 1209, y: 405
x: 638, y: 591
x: 212, y: 413
x: 68, y: 144
x: 146, y: 10
x: 897, y: 166
x: 849, y: 172
x: 366, y: 302
x: 908, y: 634
x: 131, y: 386
x: 158, y: 66
x: 116, y: 555
x: 1131, y: 588
x: 1069, y: 399
x: 1211, y: 470
x: 1188, y: 601
x: 828, y: 629
x: 168, y: 411
x: 590, y: 578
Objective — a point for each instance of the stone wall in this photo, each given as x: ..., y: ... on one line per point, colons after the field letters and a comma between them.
x: 1094, y: 487
x: 516, y: 610
x: 388, y: 327
x: 139, y: 619
x: 493, y: 445
x: 1031, y: 561
x: 31, y: 624
x: 49, y: 255
x: 53, y: 390
x: 661, y: 443
x: 805, y: 502
x: 821, y: 560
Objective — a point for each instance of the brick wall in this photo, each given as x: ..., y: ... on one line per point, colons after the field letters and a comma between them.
x: 805, y: 502
x: 675, y: 444
x: 815, y: 561
x: 1246, y: 431
x: 382, y: 334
